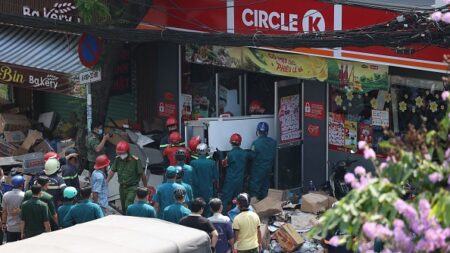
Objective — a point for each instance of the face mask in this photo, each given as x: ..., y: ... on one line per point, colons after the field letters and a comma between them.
x: 100, y: 131
x: 123, y: 156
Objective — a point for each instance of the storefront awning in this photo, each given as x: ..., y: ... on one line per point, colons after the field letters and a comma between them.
x: 40, y: 60
x: 39, y: 49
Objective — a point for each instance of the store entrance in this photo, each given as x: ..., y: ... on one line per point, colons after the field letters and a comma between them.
x: 288, y: 122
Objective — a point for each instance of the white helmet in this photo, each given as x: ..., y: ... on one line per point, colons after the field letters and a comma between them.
x: 202, y: 149
x: 51, y: 167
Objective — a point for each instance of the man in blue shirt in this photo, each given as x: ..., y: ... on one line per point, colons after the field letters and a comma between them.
x: 141, y: 208
x: 99, y: 184
x: 188, y: 187
x: 84, y: 211
x: 180, y: 156
x: 223, y: 226
x: 164, y: 192
x: 69, y: 195
x: 176, y: 211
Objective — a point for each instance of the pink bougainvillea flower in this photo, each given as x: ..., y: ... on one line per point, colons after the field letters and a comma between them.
x: 445, y: 95
x: 437, y: 16
x: 362, y: 145
x: 334, y: 241
x: 349, y: 178
x: 435, y: 177
x: 360, y: 171
x: 446, y: 18
x: 382, y: 166
x: 369, y: 154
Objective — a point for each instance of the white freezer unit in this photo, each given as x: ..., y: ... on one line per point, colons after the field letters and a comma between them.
x: 217, y: 131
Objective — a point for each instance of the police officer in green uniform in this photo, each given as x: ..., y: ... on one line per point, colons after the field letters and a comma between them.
x: 95, y: 144
x: 129, y: 171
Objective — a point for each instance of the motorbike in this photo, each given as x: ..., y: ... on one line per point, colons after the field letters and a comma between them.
x: 338, y: 188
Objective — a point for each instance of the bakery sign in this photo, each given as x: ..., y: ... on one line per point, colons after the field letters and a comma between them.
x: 36, y: 80
x: 63, y: 11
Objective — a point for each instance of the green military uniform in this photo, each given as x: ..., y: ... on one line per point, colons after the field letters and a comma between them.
x: 92, y: 141
x: 47, y: 199
x: 34, y: 214
x: 129, y: 172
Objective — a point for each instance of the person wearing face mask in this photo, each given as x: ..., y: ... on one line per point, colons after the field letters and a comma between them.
x: 69, y: 171
x: 129, y: 171
x: 98, y: 182
x: 95, y: 144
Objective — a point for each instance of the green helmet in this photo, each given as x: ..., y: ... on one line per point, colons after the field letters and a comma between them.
x: 70, y: 192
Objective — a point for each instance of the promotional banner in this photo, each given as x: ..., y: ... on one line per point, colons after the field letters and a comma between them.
x: 289, y: 117
x: 263, y: 61
x: 44, y: 80
x: 357, y: 76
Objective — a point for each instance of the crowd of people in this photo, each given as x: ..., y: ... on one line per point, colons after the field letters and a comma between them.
x: 186, y: 197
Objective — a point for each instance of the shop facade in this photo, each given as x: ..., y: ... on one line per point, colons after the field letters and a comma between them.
x: 323, y: 101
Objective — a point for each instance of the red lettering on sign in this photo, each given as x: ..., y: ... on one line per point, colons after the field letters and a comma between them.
x: 314, y: 110
x: 314, y: 23
x: 313, y: 130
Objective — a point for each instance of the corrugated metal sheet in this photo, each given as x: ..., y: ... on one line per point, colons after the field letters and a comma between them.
x: 62, y: 105
x: 39, y: 49
x: 122, y: 107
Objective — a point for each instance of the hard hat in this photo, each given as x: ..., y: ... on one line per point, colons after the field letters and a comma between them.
x: 101, y: 162
x: 255, y: 105
x: 193, y: 142
x: 171, y: 121
x: 171, y: 171
x: 70, y: 192
x: 17, y: 181
x: 180, y: 155
x: 51, y: 167
x: 179, y: 192
x: 262, y: 127
x: 122, y: 147
x: 50, y: 155
x: 175, y: 138
x: 202, y: 149
x: 71, y: 152
x: 180, y: 171
x: 236, y: 139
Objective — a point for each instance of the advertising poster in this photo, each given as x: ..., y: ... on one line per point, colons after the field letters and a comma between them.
x: 365, y: 133
x: 336, y: 131
x: 357, y: 76
x: 289, y: 117
x: 186, y: 112
x: 351, y: 134
x: 380, y: 118
x: 314, y: 110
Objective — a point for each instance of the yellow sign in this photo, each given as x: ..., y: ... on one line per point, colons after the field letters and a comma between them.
x: 293, y: 65
x: 8, y: 75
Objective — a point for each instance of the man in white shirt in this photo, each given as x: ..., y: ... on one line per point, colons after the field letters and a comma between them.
x: 11, y: 209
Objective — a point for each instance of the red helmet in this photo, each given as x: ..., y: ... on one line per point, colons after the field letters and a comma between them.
x: 171, y: 121
x: 193, y: 142
x: 175, y: 138
x: 236, y: 139
x: 101, y: 162
x: 255, y: 105
x: 50, y: 155
x: 122, y: 147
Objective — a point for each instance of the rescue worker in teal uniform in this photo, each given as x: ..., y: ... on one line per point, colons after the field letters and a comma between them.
x: 188, y: 187
x: 263, y: 152
x: 180, y: 156
x: 84, y: 211
x: 204, y: 175
x: 235, y: 164
x: 176, y: 211
x: 164, y: 192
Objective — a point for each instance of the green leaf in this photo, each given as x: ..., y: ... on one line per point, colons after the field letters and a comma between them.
x: 430, y: 135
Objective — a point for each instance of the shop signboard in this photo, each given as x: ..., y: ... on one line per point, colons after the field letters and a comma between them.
x: 41, y: 80
x: 357, y: 77
x: 64, y: 10
x: 289, y: 117
x: 314, y: 110
x: 269, y: 62
x: 380, y: 118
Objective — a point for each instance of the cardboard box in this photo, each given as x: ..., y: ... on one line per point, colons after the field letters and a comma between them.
x: 13, y: 122
x: 270, y: 205
x: 14, y: 136
x: 32, y: 137
x: 6, y: 149
x: 118, y: 135
x: 288, y: 239
x: 314, y: 203
x: 124, y: 123
x: 42, y: 147
x: 33, y: 163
